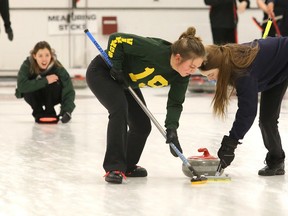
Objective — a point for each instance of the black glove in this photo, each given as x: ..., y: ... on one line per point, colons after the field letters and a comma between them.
x: 171, y: 137
x: 66, y: 117
x: 226, y: 151
x: 118, y: 75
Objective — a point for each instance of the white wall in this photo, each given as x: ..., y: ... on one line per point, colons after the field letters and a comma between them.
x: 30, y: 24
x: 112, y: 3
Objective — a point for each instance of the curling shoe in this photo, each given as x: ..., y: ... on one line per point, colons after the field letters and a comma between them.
x: 9, y: 32
x: 278, y: 169
x: 136, y: 171
x: 114, y: 176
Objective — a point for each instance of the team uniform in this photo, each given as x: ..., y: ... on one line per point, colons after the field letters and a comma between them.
x: 267, y: 74
x: 224, y: 20
x: 145, y: 62
x: 38, y: 93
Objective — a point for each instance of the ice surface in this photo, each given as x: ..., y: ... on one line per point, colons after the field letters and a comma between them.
x: 56, y: 170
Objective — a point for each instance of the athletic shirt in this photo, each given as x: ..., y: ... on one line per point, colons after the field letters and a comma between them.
x: 145, y: 62
x: 269, y: 68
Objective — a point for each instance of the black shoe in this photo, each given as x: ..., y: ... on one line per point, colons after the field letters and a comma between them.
x: 272, y: 170
x: 9, y: 33
x: 136, y: 171
x: 114, y: 176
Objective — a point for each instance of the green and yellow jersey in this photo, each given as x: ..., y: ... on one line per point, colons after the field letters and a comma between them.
x: 146, y: 62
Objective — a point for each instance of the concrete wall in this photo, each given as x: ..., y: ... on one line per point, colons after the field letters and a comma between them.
x: 31, y: 22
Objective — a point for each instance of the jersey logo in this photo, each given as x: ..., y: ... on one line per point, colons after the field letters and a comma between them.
x: 156, y: 81
x: 117, y: 40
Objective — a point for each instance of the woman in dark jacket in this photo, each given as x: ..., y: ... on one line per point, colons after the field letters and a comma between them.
x: 224, y: 19
x: 44, y: 83
x: 259, y: 66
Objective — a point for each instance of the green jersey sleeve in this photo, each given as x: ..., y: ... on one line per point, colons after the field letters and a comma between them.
x: 24, y: 82
x: 176, y: 98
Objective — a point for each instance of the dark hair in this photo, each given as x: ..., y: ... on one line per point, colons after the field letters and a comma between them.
x: 34, y: 69
x: 188, y: 45
x: 231, y: 60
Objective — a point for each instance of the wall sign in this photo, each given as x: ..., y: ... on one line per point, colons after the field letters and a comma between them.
x: 61, y: 23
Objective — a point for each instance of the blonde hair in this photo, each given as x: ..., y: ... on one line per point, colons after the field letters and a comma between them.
x: 188, y: 45
x: 231, y: 60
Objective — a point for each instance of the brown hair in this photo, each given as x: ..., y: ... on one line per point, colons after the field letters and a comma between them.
x: 188, y: 45
x: 34, y: 68
x: 231, y: 60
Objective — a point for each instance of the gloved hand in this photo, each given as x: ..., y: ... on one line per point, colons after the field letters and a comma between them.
x: 226, y: 151
x: 66, y: 117
x: 172, y: 137
x: 118, y: 75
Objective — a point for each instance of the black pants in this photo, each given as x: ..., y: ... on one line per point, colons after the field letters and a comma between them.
x: 224, y: 35
x: 4, y: 11
x: 43, y: 101
x: 124, y: 147
x: 270, y: 106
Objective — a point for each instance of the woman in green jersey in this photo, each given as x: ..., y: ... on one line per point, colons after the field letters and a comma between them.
x: 44, y: 83
x: 138, y: 62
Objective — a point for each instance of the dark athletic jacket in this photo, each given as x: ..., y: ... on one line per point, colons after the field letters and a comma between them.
x: 146, y: 62
x: 269, y: 69
x: 26, y: 82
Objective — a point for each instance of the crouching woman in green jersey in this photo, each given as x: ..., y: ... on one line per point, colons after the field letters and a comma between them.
x: 43, y: 83
x: 139, y: 62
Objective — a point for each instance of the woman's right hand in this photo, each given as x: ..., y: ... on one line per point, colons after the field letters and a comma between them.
x: 52, y: 78
x: 270, y: 10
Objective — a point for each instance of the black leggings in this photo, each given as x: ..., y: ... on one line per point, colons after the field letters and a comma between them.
x: 4, y: 12
x: 124, y: 147
x: 46, y: 97
x: 224, y: 35
x: 270, y: 106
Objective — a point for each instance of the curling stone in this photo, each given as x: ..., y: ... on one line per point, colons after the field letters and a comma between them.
x: 204, y: 164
